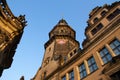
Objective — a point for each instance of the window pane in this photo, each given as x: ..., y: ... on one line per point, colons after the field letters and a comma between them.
x: 116, y: 42
x: 119, y: 48
x: 101, y: 54
x: 64, y: 78
x: 105, y: 60
x: 95, y: 67
x: 117, y: 52
x: 112, y: 46
x: 71, y: 75
x: 91, y: 69
x: 109, y: 57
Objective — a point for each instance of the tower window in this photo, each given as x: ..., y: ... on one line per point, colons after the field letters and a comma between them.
x: 115, y: 45
x: 105, y: 55
x: 92, y: 64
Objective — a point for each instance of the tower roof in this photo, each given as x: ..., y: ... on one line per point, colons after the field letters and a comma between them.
x: 62, y: 22
x: 64, y: 27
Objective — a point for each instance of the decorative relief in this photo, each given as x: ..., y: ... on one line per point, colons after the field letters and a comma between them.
x: 21, y: 18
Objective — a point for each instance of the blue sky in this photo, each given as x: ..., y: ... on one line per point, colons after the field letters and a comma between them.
x: 42, y: 16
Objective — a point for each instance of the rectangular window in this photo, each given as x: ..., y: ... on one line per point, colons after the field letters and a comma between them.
x: 105, y: 55
x: 92, y: 64
x: 114, y: 14
x: 94, y: 31
x: 64, y: 77
x: 71, y: 75
x: 97, y: 28
x: 82, y: 71
x: 115, y: 45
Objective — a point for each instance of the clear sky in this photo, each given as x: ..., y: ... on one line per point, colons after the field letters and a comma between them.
x: 42, y: 16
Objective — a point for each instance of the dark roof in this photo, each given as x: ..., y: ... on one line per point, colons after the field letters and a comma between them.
x: 62, y: 22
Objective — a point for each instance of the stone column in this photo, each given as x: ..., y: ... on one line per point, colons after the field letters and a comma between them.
x: 86, y: 66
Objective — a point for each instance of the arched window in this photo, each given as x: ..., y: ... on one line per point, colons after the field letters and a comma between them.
x: 103, y: 13
x: 95, y: 20
x: 97, y: 28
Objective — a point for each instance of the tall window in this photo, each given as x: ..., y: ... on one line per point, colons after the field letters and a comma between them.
x: 82, y: 71
x: 71, y: 75
x: 115, y: 45
x: 92, y: 64
x: 105, y: 55
x: 64, y: 77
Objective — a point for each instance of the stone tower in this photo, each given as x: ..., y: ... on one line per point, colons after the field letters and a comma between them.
x: 11, y: 30
x: 99, y: 59
x: 60, y: 47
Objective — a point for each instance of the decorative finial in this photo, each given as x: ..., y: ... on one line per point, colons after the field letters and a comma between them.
x: 21, y: 18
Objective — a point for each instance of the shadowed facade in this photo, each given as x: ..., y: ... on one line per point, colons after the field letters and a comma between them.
x: 11, y: 30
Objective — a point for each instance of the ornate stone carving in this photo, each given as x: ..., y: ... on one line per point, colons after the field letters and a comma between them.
x: 21, y: 18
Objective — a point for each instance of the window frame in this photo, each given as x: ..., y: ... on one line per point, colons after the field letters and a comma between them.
x: 92, y: 65
x: 105, y: 55
x: 113, y: 14
x: 114, y: 46
x: 97, y: 28
x: 82, y: 72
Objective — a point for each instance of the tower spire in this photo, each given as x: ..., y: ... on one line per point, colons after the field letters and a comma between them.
x: 62, y: 22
